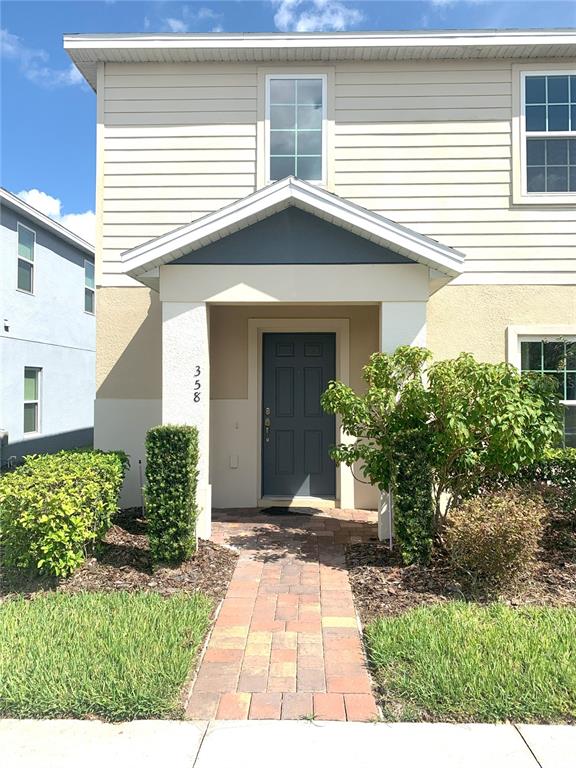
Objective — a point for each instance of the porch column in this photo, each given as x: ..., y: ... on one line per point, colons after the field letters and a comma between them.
x: 401, y: 323
x: 186, y: 388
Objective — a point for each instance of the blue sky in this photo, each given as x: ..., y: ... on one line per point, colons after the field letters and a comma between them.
x: 48, y: 112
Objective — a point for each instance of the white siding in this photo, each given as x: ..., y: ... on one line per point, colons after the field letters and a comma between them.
x: 426, y: 144
x: 179, y: 142
x: 430, y: 147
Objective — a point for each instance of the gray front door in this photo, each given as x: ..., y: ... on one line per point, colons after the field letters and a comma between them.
x: 296, y: 433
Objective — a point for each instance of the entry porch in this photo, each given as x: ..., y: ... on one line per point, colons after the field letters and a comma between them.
x: 263, y: 303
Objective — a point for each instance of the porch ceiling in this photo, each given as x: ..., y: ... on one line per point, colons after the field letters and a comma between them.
x: 141, y: 262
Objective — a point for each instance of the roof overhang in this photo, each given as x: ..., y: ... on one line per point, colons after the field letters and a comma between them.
x: 22, y: 208
x: 141, y: 262
x: 87, y: 50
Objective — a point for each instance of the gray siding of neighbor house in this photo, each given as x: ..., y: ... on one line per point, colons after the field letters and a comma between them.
x: 293, y: 236
x: 48, y: 330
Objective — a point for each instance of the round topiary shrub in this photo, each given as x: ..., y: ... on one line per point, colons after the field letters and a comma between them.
x: 492, y: 539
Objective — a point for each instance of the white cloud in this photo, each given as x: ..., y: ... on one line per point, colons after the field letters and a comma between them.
x: 176, y: 25
x: 33, y: 63
x: 191, y: 19
x: 315, y: 16
x: 82, y: 224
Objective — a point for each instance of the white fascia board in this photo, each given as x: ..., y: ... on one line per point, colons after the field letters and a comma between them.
x: 18, y: 205
x: 275, y: 197
x: 344, y: 40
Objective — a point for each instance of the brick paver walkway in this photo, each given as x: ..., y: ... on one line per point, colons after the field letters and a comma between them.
x: 286, y: 643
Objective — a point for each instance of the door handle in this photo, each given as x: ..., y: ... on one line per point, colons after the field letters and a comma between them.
x: 267, y: 425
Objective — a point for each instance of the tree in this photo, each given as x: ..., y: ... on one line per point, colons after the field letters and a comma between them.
x: 473, y: 419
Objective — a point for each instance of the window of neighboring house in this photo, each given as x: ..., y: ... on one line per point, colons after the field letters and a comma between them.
x: 32, y: 400
x: 549, y: 117
x: 89, y: 286
x: 26, y: 247
x: 296, y: 119
x: 556, y: 358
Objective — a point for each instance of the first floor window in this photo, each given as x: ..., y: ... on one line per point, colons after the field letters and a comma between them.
x: 26, y: 247
x: 89, y: 286
x: 296, y: 115
x: 556, y: 358
x: 32, y: 399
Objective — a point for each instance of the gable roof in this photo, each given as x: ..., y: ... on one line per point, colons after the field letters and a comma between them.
x: 86, y: 50
x: 276, y: 197
x: 22, y: 208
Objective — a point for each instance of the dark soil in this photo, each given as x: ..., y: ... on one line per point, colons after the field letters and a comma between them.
x: 122, y: 562
x: 383, y: 586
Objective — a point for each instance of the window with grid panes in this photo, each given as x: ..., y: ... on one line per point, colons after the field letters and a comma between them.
x: 550, y: 132
x: 296, y: 125
x: 556, y: 358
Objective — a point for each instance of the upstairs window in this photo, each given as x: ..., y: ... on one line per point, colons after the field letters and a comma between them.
x: 556, y: 358
x: 89, y: 286
x: 31, y: 400
x: 26, y: 247
x: 550, y: 132
x: 296, y: 119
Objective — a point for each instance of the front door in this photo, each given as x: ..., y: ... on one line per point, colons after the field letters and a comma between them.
x: 296, y: 433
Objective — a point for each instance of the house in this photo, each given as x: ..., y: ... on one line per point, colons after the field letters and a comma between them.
x: 48, y: 333
x: 273, y: 208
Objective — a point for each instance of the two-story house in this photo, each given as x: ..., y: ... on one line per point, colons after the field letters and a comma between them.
x: 47, y: 333
x: 274, y: 208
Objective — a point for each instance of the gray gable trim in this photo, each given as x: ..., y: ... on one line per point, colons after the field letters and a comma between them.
x: 293, y: 236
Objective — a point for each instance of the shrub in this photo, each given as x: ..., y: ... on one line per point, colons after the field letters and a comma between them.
x: 54, y: 505
x: 172, y: 475
x: 477, y: 419
x: 413, y: 513
x: 556, y: 469
x: 492, y: 539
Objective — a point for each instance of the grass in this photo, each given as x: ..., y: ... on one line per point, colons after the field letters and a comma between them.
x: 118, y: 655
x: 464, y: 662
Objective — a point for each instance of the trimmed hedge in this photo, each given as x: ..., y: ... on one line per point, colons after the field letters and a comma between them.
x: 556, y: 469
x: 54, y: 505
x: 413, y: 507
x: 172, y: 476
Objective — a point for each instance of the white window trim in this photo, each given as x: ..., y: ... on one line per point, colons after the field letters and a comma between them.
x: 520, y: 194
x: 38, y: 402
x: 20, y: 226
x: 87, y: 288
x: 295, y: 75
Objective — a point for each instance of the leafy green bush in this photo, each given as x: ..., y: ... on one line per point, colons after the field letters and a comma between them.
x: 476, y: 419
x: 492, y: 538
x: 412, y: 486
x: 172, y: 475
x: 54, y: 505
x: 556, y: 470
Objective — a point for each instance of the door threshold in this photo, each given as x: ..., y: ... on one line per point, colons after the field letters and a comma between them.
x: 298, y: 501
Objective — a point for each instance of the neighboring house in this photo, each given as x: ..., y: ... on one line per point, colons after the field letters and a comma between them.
x: 48, y: 333
x: 434, y: 205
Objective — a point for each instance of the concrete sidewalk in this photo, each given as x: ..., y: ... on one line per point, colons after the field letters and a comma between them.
x: 284, y: 744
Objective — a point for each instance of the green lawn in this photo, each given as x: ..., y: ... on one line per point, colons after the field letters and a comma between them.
x: 465, y: 662
x: 117, y: 655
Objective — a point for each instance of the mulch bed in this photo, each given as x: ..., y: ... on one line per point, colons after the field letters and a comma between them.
x: 122, y: 562
x: 383, y: 586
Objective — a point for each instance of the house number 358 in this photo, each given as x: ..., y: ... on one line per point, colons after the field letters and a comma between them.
x: 197, y: 384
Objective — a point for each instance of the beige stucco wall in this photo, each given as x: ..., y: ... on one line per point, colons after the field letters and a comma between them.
x: 128, y: 343
x: 229, y: 341
x: 474, y: 318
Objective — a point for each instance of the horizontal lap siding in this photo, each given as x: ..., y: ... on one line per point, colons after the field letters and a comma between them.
x: 430, y: 147
x: 425, y: 144
x: 179, y: 142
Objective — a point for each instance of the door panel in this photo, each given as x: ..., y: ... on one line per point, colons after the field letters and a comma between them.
x: 297, y: 434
